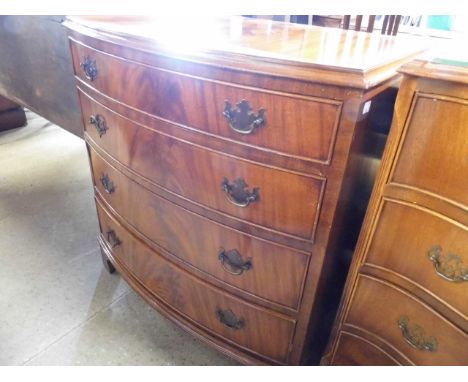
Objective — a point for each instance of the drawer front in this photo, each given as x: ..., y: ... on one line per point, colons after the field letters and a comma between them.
x: 241, y: 323
x: 425, y: 247
x: 283, y: 201
x: 406, y: 324
x: 434, y: 154
x: 291, y: 125
x: 354, y: 351
x: 276, y: 273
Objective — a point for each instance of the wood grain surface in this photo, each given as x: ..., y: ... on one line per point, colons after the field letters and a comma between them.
x: 197, y: 300
x: 325, y: 55
x: 198, y: 103
x: 277, y: 273
x: 411, y: 255
x: 170, y: 163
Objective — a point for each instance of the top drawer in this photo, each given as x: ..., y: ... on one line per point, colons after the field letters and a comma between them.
x: 288, y: 124
x: 434, y: 153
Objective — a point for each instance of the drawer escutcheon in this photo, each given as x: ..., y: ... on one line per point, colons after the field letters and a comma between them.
x: 416, y: 336
x: 448, y: 267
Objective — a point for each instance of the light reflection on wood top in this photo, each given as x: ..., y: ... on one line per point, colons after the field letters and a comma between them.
x: 358, y: 54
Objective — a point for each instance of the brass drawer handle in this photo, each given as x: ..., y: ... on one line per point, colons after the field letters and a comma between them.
x: 229, y: 319
x: 241, y: 119
x: 237, y: 192
x: 99, y: 123
x: 416, y: 336
x: 113, y: 239
x: 448, y: 267
x: 89, y: 68
x: 232, y: 261
x: 107, y: 184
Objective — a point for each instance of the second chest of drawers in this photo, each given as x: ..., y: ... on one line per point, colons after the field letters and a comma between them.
x: 406, y: 296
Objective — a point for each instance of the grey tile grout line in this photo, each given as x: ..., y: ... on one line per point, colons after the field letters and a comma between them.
x: 75, y: 327
x: 84, y: 254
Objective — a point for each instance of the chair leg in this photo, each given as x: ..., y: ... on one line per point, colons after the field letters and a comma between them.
x: 370, y: 25
x: 397, y: 24
x: 390, y: 24
x: 357, y: 26
x: 346, y: 21
x: 385, y: 23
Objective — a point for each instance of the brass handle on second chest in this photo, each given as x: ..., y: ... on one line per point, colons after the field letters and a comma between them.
x: 237, y: 192
x: 99, y: 123
x: 113, y: 239
x: 107, y: 183
x: 89, y: 68
x: 416, y: 335
x: 229, y: 319
x: 241, y: 119
x: 232, y: 261
x: 448, y: 267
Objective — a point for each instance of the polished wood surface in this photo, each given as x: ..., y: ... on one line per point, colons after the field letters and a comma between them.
x: 161, y: 139
x: 340, y: 57
x: 151, y: 155
x: 396, y: 225
x: 354, y: 351
x: 411, y: 255
x: 197, y: 300
x: 277, y: 272
x: 389, y: 305
x: 424, y: 135
x: 439, y: 68
x: 198, y: 103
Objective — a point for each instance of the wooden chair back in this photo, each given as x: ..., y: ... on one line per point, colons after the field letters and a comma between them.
x: 389, y: 27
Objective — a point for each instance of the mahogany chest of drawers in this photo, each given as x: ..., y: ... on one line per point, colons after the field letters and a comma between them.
x: 406, y: 297
x: 221, y: 160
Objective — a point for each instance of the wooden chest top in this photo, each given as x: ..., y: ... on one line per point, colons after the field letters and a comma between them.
x: 325, y: 55
x: 447, y: 69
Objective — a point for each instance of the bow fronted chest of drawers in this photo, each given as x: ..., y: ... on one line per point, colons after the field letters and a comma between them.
x: 406, y: 300
x: 222, y: 154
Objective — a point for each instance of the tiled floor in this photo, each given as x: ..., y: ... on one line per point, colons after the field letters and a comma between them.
x: 58, y: 306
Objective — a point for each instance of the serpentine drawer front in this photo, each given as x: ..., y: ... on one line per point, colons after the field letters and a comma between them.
x: 234, y: 320
x: 181, y: 233
x: 424, y: 135
x: 217, y: 107
x: 436, y: 259
x: 406, y: 295
x: 222, y: 169
x: 239, y: 188
x: 404, y: 327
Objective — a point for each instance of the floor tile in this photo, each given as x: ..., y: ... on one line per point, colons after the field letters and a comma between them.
x: 129, y: 332
x: 58, y: 306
